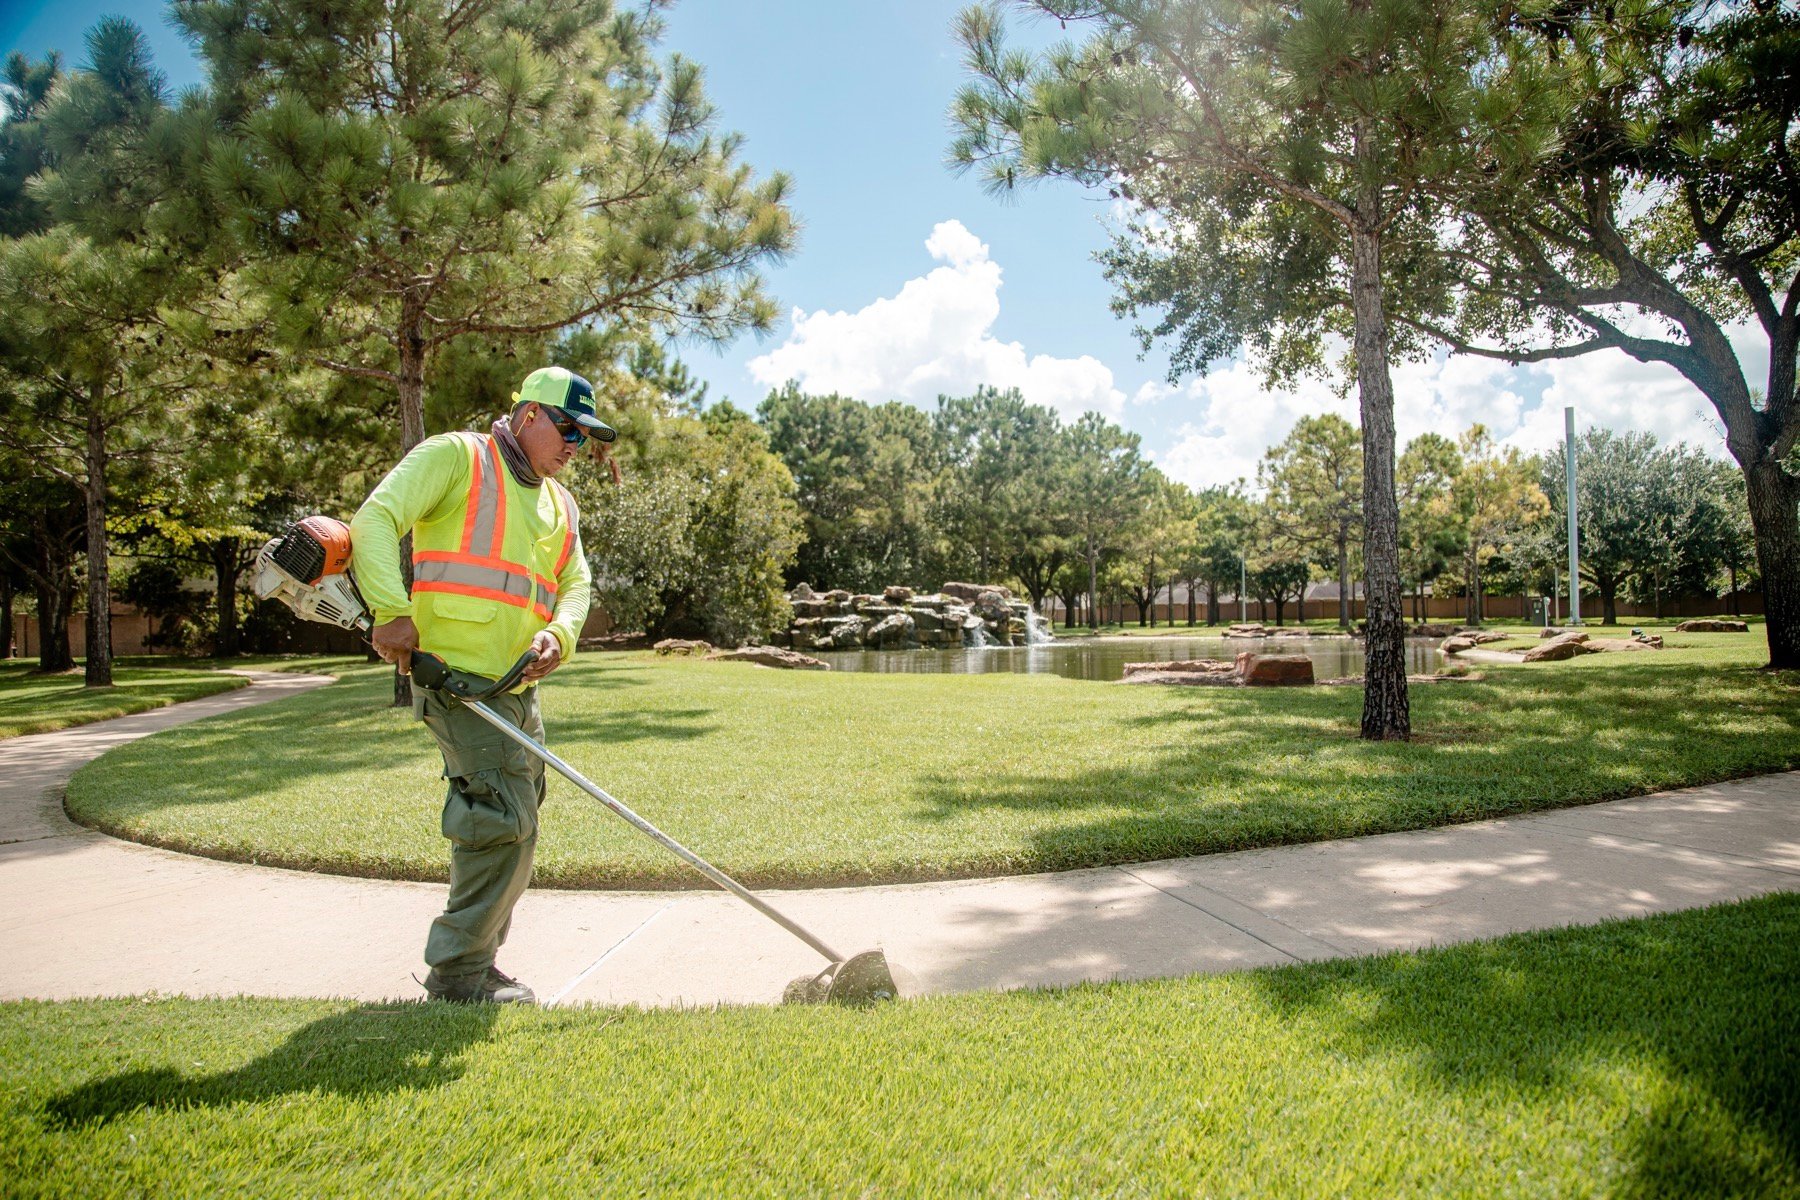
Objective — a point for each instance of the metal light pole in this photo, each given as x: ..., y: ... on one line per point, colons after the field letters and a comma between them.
x: 1574, y: 530
x: 1243, y: 604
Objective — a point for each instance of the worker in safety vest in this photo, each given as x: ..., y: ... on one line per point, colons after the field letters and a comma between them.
x: 497, y: 569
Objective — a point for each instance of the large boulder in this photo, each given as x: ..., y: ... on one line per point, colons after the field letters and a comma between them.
x: 1246, y: 631
x: 897, y: 594
x: 924, y: 618
x: 770, y: 656
x: 892, y: 633
x: 801, y: 592
x: 1484, y: 636
x: 848, y: 635
x: 971, y: 592
x: 1430, y: 631
x: 1274, y: 670
x: 1566, y: 645
x: 1457, y: 644
x: 1711, y: 625
x: 682, y: 646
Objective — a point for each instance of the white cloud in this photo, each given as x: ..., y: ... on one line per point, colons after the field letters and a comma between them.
x: 934, y: 337
x: 1234, y: 420
x: 1228, y: 419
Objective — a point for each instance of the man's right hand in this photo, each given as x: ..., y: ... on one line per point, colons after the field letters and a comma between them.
x: 395, y: 642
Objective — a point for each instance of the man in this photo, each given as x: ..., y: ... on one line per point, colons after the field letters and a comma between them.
x: 497, y: 569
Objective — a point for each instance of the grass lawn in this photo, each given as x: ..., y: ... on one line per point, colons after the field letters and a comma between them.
x: 790, y: 778
x: 303, y: 663
x: 1649, y: 1058
x: 44, y: 703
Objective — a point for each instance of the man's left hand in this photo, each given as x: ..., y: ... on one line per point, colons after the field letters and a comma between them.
x: 549, y: 656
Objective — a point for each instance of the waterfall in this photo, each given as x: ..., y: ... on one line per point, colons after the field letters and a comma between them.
x: 1036, y: 633
x: 976, y: 636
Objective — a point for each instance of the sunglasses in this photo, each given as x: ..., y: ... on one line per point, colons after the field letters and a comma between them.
x: 571, y: 432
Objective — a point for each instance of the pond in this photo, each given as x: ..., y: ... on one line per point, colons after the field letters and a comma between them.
x: 1105, y: 659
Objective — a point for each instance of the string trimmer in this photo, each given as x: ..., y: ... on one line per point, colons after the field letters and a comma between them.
x: 306, y: 567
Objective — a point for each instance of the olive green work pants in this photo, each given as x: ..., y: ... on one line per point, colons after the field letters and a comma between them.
x: 491, y: 818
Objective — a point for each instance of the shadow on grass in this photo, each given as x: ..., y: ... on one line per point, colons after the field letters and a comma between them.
x: 1708, y: 1001
x: 370, y: 1049
x: 1269, y: 768
x: 278, y: 745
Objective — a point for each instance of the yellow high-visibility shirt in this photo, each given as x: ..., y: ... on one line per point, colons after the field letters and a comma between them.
x: 494, y: 561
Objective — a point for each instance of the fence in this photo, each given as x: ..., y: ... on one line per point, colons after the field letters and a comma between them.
x: 1429, y: 608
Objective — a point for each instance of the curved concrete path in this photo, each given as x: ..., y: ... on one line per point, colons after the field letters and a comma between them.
x: 83, y: 914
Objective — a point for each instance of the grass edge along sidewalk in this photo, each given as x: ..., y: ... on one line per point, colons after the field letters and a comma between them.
x: 32, y: 703
x: 826, y: 778
x: 1651, y: 1057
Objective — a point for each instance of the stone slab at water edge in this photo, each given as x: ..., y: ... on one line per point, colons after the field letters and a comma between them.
x: 1249, y: 670
x: 957, y: 616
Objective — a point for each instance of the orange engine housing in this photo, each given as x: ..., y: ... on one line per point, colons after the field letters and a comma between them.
x: 333, y: 537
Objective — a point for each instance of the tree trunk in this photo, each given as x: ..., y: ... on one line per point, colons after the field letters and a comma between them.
x: 1343, y: 553
x: 410, y: 344
x: 1775, y: 519
x: 54, y: 598
x: 1212, y: 603
x: 1280, y: 602
x: 1609, y: 592
x: 225, y: 578
x: 1387, y: 713
x: 1093, y: 588
x: 99, y: 589
x: 6, y: 616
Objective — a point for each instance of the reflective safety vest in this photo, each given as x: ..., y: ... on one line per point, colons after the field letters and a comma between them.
x: 484, y: 578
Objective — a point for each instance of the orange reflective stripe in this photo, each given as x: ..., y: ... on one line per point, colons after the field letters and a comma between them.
x: 497, y: 527
x: 562, y: 504
x: 471, y: 505
x: 451, y: 556
x: 481, y: 593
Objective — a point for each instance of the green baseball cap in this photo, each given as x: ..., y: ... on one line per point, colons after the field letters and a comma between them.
x: 562, y: 389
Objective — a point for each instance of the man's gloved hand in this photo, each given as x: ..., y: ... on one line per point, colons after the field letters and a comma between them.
x: 549, y: 656
x: 395, y: 642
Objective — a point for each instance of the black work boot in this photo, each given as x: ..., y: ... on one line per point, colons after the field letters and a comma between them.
x: 489, y: 987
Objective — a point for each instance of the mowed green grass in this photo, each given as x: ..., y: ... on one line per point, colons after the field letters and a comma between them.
x: 31, y: 703
x: 789, y: 778
x: 1648, y: 1058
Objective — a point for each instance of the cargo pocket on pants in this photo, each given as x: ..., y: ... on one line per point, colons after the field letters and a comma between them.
x: 484, y: 807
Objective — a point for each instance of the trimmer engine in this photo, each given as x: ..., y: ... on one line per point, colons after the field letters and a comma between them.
x: 307, y: 567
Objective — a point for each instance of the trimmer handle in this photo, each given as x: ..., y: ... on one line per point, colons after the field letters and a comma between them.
x: 434, y: 674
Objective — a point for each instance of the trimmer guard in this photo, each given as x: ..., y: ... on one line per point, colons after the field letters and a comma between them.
x: 861, y: 979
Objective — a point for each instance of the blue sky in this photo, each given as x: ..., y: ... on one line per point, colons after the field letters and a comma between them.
x: 910, y: 281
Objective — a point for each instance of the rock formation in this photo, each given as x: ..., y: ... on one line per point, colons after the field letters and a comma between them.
x: 962, y: 614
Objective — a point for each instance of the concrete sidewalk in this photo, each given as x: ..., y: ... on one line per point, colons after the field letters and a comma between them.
x: 82, y: 914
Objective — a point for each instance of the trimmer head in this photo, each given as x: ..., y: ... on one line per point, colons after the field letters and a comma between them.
x: 859, y: 980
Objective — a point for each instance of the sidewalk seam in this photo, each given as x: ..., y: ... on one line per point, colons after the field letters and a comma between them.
x: 1224, y: 920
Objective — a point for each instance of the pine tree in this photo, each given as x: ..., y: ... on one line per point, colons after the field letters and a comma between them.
x: 404, y: 175
x: 1286, y: 149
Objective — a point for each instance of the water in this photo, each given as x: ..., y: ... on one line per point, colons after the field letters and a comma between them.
x: 1105, y: 660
